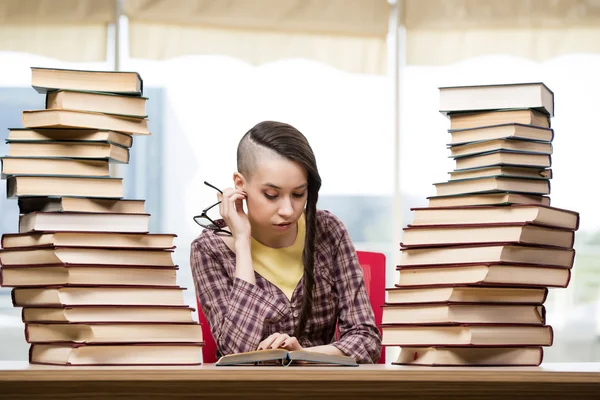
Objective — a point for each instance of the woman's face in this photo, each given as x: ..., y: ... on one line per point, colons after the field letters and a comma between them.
x: 276, y: 195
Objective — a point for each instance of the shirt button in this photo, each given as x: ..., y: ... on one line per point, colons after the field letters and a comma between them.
x: 295, y: 314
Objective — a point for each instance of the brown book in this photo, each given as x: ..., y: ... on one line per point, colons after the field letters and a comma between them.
x: 485, y: 146
x: 513, y: 172
x: 86, y: 150
x: 502, y: 157
x: 484, y: 274
x: 487, y: 199
x: 517, y: 233
x: 85, y: 119
x: 108, y: 314
x: 89, y: 239
x: 285, y: 358
x: 48, y: 79
x: 97, y: 296
x: 503, y: 131
x: 470, y: 356
x: 54, y: 166
x: 540, y: 215
x: 474, y: 313
x: 39, y: 185
x: 137, y: 354
x: 72, y: 135
x: 499, y: 117
x: 55, y: 255
x: 533, y: 95
x: 484, y: 254
x: 487, y: 335
x: 73, y: 275
x: 492, y: 184
x: 81, y: 204
x: 109, y: 103
x: 83, y: 222
x: 466, y: 294
x: 113, y: 333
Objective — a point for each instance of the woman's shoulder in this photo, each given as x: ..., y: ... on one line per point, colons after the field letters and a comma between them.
x: 329, y: 227
x: 207, y: 241
x: 328, y: 221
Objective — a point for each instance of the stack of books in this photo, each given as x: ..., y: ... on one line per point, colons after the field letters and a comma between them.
x: 476, y: 265
x: 96, y: 288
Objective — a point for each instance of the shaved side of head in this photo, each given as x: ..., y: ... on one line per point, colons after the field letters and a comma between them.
x: 249, y: 154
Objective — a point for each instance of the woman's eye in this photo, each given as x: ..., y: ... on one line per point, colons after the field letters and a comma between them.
x: 270, y: 197
x: 298, y: 195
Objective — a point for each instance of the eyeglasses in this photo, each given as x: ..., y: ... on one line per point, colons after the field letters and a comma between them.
x: 205, y: 221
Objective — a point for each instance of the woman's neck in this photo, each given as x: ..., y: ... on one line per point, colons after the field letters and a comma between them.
x: 276, y: 241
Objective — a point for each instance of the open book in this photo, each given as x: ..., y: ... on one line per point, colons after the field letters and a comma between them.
x: 285, y: 358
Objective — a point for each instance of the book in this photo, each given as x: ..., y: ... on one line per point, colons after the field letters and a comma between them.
x: 81, y: 204
x: 55, y: 255
x: 496, y: 170
x: 86, y: 150
x: 97, y: 296
x: 516, y: 233
x: 517, y: 213
x: 137, y: 354
x: 113, y: 333
x: 48, y: 79
x: 466, y: 294
x: 451, y: 313
x: 486, y: 118
x: 73, y: 275
x: 285, y: 358
x: 83, y: 222
x: 534, y: 95
x: 71, y: 135
x: 85, y: 119
x: 470, y: 356
x: 52, y: 166
x: 488, y: 184
x: 97, y: 102
x: 501, y: 157
x: 42, y: 185
x: 89, y: 239
x: 466, y: 335
x: 108, y: 314
x: 483, y: 254
x: 503, y: 131
x: 483, y: 274
x: 485, y: 146
x: 487, y: 199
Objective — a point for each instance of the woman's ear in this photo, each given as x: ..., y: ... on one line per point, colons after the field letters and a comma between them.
x: 239, y: 181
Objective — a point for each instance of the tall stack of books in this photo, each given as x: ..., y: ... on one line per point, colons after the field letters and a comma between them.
x: 476, y: 265
x: 96, y: 288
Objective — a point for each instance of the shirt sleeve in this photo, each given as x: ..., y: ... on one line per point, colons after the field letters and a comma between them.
x: 236, y: 310
x: 359, y: 336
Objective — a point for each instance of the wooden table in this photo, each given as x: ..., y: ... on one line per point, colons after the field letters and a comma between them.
x: 550, y: 381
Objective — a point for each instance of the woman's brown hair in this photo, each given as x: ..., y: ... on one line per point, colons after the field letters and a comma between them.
x: 288, y: 142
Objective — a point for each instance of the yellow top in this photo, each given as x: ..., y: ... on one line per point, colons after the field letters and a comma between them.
x: 282, y: 267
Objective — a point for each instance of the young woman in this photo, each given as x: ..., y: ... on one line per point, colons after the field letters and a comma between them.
x: 284, y: 274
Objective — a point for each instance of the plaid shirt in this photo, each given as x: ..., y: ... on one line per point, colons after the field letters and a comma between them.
x: 241, y: 314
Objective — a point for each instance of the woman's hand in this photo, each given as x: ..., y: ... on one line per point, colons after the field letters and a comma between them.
x: 232, y: 211
x: 280, y: 340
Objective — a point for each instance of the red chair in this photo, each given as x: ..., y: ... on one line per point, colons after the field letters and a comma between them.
x: 373, y: 266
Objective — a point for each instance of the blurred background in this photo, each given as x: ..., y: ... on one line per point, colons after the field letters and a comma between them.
x: 359, y: 78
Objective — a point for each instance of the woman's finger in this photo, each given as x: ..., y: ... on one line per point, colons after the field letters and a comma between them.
x: 225, y: 207
x: 277, y: 342
x: 291, y: 344
x: 265, y: 344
